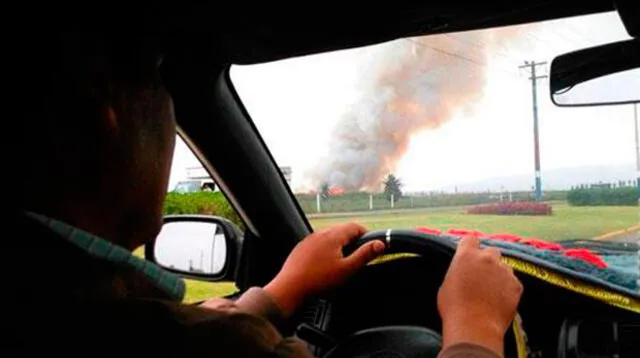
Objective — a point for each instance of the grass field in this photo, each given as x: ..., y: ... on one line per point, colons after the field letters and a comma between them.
x: 200, y: 290
x: 566, y: 223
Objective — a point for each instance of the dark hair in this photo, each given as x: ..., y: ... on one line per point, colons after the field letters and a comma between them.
x: 67, y: 73
x: 59, y: 80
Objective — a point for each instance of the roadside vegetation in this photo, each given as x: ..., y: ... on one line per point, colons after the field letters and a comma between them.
x: 628, y: 196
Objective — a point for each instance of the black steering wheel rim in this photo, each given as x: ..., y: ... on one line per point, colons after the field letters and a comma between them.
x: 406, y: 241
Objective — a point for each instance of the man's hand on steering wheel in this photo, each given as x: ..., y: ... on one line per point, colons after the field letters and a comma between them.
x: 478, y: 298
x: 317, y: 263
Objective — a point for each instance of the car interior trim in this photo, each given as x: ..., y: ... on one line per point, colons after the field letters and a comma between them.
x: 613, y: 298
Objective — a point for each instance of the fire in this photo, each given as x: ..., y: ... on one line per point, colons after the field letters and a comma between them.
x: 416, y: 85
x: 336, y: 191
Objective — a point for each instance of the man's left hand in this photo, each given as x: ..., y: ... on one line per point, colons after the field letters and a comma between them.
x: 317, y: 263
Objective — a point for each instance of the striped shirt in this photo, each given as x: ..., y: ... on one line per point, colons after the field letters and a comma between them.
x: 102, y: 249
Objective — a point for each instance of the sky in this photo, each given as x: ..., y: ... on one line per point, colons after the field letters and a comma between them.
x: 299, y: 104
x: 200, y: 252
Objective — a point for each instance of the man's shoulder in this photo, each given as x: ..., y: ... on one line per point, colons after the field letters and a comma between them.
x: 40, y: 260
x: 44, y: 260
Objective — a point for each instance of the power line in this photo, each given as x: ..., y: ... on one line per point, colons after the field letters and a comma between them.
x: 457, y: 55
x: 561, y: 36
x: 574, y: 31
x: 483, y: 47
x: 582, y: 39
x: 533, y: 39
x: 536, y: 146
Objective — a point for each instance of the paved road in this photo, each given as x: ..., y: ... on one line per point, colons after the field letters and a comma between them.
x: 630, y: 238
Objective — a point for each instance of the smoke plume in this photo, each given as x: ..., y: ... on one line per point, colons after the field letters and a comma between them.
x: 412, y: 86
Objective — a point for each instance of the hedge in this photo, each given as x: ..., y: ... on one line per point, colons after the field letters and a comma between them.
x: 512, y: 208
x: 625, y: 196
x: 203, y: 203
x: 360, y: 201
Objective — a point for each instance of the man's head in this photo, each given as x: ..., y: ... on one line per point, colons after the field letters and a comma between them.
x: 100, y: 130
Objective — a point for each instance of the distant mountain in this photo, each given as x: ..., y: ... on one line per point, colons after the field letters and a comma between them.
x: 553, y: 179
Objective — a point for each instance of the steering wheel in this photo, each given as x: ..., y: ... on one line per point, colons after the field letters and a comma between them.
x: 396, y: 341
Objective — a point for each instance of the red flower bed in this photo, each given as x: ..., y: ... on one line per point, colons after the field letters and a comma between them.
x: 511, y: 208
x: 578, y: 253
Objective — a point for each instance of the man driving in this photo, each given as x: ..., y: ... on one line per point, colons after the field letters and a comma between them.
x: 99, y: 126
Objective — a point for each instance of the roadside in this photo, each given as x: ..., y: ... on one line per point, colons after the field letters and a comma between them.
x: 630, y: 234
x: 631, y: 238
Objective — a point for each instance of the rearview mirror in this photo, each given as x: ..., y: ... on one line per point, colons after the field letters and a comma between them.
x: 603, y: 75
x: 198, y: 247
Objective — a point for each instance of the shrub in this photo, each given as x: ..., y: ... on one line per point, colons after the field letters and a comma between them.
x: 359, y: 201
x: 626, y: 196
x: 202, y: 203
x: 512, y: 208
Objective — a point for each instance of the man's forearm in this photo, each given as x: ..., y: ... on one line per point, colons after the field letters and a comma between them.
x: 255, y: 301
x: 284, y: 296
x: 473, y: 330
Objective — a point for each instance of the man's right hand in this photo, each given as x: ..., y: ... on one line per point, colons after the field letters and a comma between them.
x: 478, y: 298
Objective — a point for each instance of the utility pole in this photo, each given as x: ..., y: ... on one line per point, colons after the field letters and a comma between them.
x: 536, y: 146
x: 213, y: 249
x: 637, y: 133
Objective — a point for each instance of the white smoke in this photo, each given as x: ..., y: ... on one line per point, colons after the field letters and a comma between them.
x: 410, y: 86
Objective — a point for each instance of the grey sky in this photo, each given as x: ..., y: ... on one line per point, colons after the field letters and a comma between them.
x: 191, y: 244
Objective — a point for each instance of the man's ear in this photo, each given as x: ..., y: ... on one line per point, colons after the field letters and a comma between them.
x: 109, y: 119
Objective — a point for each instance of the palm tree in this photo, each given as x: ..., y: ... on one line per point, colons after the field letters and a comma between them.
x: 324, y: 190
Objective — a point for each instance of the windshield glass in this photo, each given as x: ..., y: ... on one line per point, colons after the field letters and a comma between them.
x: 187, y: 187
x: 438, y: 132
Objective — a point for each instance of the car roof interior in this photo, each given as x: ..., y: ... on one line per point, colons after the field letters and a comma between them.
x: 276, y: 34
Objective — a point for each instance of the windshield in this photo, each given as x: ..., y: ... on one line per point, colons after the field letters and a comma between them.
x: 438, y: 132
x: 187, y: 187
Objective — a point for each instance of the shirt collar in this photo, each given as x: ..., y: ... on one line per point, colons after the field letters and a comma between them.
x: 102, y: 249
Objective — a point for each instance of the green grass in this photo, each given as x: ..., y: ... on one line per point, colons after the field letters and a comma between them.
x: 200, y: 290
x: 566, y: 222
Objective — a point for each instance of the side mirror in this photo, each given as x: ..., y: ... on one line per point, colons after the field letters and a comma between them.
x: 199, y: 247
x: 602, y: 75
